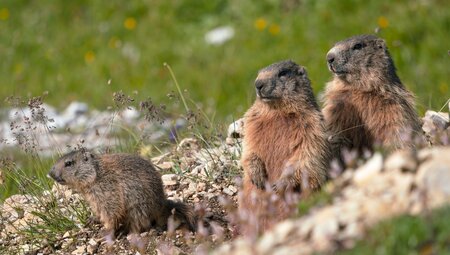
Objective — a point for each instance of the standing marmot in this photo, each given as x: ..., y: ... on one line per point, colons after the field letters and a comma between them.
x: 123, y: 190
x: 366, y: 103
x: 285, y: 145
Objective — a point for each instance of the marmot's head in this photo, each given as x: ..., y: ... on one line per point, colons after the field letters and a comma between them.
x: 76, y: 169
x: 282, y: 82
x: 361, y: 57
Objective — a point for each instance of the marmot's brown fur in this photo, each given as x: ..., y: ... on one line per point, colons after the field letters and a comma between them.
x: 123, y: 190
x: 285, y: 145
x: 366, y: 103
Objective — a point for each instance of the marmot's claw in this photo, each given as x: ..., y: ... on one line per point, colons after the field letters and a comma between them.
x: 259, y: 182
x: 280, y: 186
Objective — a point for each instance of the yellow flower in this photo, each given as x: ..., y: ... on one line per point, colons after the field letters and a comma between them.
x: 4, y: 14
x: 443, y: 87
x: 383, y: 22
x: 260, y: 24
x: 114, y: 43
x: 130, y: 23
x: 89, y: 57
x: 274, y: 29
x: 145, y: 151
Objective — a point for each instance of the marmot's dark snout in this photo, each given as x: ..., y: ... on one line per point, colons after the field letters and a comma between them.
x: 55, y: 176
x: 264, y: 89
x: 335, y: 63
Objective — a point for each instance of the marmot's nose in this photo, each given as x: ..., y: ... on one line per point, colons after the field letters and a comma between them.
x: 330, y: 58
x: 259, y: 85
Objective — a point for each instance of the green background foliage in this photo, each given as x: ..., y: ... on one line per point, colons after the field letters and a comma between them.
x: 72, y: 48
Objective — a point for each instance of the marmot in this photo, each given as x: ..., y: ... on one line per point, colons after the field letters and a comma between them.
x: 123, y: 190
x: 366, y: 103
x: 285, y: 145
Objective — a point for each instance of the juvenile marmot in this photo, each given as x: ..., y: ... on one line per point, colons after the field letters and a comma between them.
x: 123, y: 190
x: 285, y: 145
x: 366, y: 103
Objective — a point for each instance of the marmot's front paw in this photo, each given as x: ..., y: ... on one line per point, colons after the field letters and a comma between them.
x: 281, y: 186
x: 259, y: 178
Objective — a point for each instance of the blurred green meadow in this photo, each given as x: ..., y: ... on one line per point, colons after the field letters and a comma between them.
x: 85, y: 50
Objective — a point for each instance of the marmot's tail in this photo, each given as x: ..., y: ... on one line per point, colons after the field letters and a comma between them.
x: 182, y: 212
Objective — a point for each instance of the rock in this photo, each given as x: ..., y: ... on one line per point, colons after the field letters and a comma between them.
x: 191, y: 190
x: 228, y: 191
x: 404, y: 160
x: 172, y: 250
x: 188, y: 144
x: 238, y: 247
x: 169, y: 179
x: 14, y: 207
x: 366, y: 172
x: 201, y: 186
x: 165, y: 166
x: 92, y: 246
x: 327, y: 224
x: 433, y: 176
x: 71, y: 115
x: 232, y: 189
x: 67, y: 243
x: 435, y: 121
x: 80, y: 250
x: 25, y: 248
x: 280, y: 233
x: 236, y: 129
x: 130, y: 115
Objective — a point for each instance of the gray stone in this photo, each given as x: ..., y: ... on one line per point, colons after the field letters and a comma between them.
x: 80, y: 250
x: 169, y: 179
x: 228, y: 191
x: 236, y: 129
x: 435, y: 121
x: 434, y: 174
x: 366, y: 172
x: 404, y: 160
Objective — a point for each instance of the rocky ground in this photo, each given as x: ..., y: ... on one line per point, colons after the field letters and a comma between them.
x: 42, y: 126
x: 207, y: 178
x: 404, y: 183
x: 208, y: 186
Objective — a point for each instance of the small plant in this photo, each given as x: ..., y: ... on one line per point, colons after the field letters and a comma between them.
x: 48, y: 215
x: 428, y: 234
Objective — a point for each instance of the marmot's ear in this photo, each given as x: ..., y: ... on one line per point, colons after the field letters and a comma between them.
x: 301, y: 70
x: 381, y: 43
x: 87, y: 155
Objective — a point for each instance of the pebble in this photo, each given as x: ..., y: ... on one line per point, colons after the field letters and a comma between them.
x: 236, y: 129
x: 371, y: 168
x: 165, y: 166
x: 228, y: 191
x: 80, y: 250
x: 169, y: 179
x: 404, y: 160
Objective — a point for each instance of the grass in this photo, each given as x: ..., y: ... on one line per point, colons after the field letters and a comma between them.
x: 408, y: 235
x: 50, y: 219
x: 26, y: 175
x: 73, y: 49
x: 320, y: 198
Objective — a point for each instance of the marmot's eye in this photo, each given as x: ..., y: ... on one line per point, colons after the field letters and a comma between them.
x: 283, y: 73
x: 357, y: 46
x: 68, y: 163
